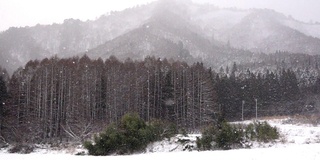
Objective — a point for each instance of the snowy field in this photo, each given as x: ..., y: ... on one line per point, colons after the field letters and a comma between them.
x: 298, y: 141
x: 294, y: 152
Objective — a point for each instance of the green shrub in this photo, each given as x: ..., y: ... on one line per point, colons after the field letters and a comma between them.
x: 265, y: 132
x: 162, y: 129
x: 250, y: 132
x: 132, y: 134
x: 105, y: 143
x: 226, y: 136
x: 262, y: 132
x: 208, y: 136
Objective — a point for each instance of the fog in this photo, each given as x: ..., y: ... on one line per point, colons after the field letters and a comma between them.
x: 17, y: 13
x: 307, y: 11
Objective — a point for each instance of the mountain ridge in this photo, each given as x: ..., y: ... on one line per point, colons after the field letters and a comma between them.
x: 207, y: 32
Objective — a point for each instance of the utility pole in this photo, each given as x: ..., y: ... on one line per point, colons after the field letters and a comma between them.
x: 256, y: 108
x: 242, y: 110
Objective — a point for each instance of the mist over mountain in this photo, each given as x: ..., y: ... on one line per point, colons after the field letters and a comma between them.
x: 177, y: 29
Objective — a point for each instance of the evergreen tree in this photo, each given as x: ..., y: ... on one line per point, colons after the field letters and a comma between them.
x: 3, y: 99
x: 289, y: 85
x: 234, y: 69
x: 271, y: 87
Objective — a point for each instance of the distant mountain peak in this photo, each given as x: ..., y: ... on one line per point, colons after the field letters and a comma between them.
x: 206, y: 32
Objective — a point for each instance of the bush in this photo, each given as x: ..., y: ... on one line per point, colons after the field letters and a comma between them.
x: 266, y: 133
x: 105, y: 143
x: 132, y: 134
x: 227, y: 136
x: 250, y: 132
x: 224, y: 137
x: 262, y: 132
x: 207, y: 138
x: 162, y: 129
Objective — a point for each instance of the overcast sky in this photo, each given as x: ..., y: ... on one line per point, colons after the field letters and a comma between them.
x: 17, y: 13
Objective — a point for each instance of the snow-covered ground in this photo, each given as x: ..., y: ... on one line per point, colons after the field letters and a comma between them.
x: 298, y: 141
x: 292, y: 152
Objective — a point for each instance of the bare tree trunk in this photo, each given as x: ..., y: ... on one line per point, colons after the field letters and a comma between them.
x: 51, y: 104
x: 148, y: 99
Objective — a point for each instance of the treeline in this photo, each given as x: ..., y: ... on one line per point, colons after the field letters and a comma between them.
x: 58, y: 99
x: 272, y: 93
x: 306, y: 67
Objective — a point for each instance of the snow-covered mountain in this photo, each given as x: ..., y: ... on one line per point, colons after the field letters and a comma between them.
x: 19, y: 45
x: 266, y: 31
x: 165, y: 28
x: 165, y: 34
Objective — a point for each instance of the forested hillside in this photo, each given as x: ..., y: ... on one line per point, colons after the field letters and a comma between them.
x: 179, y: 29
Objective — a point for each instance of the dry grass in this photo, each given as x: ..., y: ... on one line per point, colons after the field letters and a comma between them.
x: 273, y: 117
x: 313, y: 119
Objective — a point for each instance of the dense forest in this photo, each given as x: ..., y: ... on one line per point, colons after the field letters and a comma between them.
x: 69, y: 99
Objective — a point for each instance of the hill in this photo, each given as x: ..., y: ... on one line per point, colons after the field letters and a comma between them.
x: 164, y: 29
